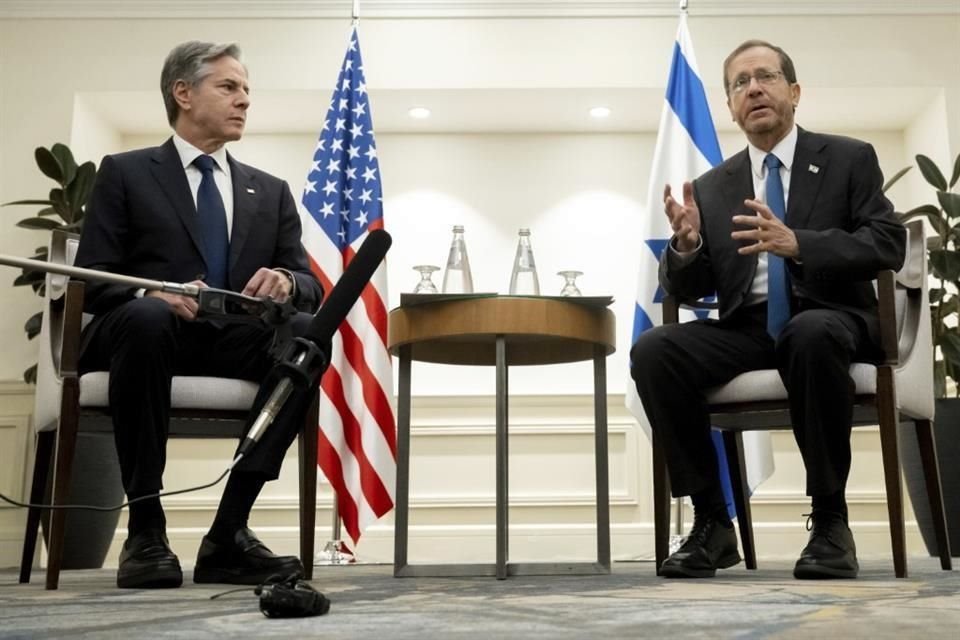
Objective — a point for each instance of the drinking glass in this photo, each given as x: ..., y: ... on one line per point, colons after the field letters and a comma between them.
x: 570, y: 282
x: 426, y: 284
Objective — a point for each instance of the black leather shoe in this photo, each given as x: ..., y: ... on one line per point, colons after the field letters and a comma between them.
x: 147, y: 562
x: 711, y: 545
x: 245, y: 560
x: 831, y: 552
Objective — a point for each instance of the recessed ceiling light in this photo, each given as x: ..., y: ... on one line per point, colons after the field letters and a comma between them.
x: 599, y: 112
x: 419, y: 113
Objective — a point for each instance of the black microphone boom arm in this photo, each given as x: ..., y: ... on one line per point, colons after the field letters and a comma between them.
x: 219, y: 303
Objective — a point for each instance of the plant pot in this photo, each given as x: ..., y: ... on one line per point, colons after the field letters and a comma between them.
x: 95, y: 480
x: 946, y: 432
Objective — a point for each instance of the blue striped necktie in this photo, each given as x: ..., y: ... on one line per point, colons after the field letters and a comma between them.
x: 213, y: 224
x: 778, y: 287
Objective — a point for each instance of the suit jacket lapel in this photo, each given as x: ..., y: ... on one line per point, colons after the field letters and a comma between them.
x: 168, y: 171
x: 245, y: 198
x: 807, y: 174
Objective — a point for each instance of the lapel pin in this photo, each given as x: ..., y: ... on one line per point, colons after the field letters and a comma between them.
x: 813, y: 168
x: 251, y: 190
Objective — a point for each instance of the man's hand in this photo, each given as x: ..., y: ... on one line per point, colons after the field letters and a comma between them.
x: 268, y: 283
x: 684, y: 219
x: 766, y: 233
x: 183, y: 306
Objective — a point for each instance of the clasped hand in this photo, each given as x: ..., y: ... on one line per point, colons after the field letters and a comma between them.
x: 265, y: 283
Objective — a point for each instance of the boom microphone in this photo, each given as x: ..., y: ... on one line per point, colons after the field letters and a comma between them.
x: 304, y: 361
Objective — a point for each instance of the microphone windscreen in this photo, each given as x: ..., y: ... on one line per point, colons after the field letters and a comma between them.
x: 349, y: 287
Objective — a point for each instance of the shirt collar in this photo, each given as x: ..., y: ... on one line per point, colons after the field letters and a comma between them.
x: 188, y: 153
x: 784, y: 150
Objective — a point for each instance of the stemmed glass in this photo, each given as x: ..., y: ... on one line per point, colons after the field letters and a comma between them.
x: 570, y: 282
x: 426, y: 284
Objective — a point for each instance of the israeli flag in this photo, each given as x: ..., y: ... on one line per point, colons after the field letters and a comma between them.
x: 686, y: 148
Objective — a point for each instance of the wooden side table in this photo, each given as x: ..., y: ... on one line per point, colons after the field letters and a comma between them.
x: 501, y: 331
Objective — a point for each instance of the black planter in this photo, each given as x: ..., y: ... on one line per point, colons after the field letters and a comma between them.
x: 95, y: 481
x: 946, y: 431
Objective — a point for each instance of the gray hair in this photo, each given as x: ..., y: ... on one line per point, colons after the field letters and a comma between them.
x: 190, y: 62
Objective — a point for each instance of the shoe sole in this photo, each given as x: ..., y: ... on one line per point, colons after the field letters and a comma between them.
x: 166, y: 576
x: 820, y: 572
x: 220, y: 575
x: 673, y: 571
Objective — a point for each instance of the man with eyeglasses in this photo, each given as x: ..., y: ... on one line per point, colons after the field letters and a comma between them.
x: 789, y: 234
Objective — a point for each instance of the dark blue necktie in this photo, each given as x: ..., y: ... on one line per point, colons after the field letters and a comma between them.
x: 778, y: 291
x: 213, y: 224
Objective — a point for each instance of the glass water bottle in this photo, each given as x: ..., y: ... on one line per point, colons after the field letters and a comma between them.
x: 457, y: 278
x: 523, y: 280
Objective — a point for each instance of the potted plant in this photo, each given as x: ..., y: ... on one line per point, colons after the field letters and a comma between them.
x: 96, y: 471
x: 62, y: 209
x: 943, y: 264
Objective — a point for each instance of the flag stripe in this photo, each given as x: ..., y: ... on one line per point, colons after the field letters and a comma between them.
x: 688, y: 99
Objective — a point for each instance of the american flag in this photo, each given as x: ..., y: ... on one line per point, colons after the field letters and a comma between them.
x: 341, y: 204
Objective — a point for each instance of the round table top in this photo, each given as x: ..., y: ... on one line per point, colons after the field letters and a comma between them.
x: 537, y: 330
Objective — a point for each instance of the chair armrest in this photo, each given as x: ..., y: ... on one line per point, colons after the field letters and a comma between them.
x: 887, y: 307
x: 672, y: 303
x: 69, y: 356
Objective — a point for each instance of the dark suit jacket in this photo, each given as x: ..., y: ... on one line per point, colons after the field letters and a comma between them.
x: 845, y: 226
x: 141, y: 221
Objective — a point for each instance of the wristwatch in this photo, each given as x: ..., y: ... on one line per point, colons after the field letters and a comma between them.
x: 291, y: 279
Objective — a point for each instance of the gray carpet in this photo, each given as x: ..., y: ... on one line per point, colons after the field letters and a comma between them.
x: 368, y: 602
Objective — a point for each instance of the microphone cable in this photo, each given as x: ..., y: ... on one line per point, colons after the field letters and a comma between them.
x: 161, y: 494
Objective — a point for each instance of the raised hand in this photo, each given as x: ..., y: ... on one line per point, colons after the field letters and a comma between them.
x: 765, y: 232
x: 684, y: 219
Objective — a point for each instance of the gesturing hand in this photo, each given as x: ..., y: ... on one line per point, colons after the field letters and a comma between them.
x: 684, y: 219
x: 766, y: 232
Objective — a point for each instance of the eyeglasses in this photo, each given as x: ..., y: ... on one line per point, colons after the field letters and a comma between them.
x: 763, y: 77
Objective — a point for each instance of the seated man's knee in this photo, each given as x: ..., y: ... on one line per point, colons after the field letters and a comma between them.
x: 811, y: 331
x: 147, y: 317
x: 647, y: 350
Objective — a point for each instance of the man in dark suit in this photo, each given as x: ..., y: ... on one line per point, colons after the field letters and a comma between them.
x: 789, y: 233
x: 187, y: 211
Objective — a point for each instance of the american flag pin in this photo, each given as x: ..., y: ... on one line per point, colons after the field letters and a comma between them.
x: 251, y: 190
x: 813, y: 169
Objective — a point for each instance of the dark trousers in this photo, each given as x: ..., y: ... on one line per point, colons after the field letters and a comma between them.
x: 673, y: 365
x: 143, y: 344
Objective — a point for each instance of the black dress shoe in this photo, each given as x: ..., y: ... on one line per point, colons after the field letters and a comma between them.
x: 244, y: 560
x: 711, y: 545
x: 147, y: 562
x: 831, y: 552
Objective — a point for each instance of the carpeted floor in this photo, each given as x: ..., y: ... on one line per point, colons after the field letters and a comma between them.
x: 368, y: 602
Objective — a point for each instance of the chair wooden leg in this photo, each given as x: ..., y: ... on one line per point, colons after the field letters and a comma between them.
x: 661, y: 504
x: 931, y: 473
x: 733, y: 446
x: 41, y: 468
x: 66, y: 447
x: 307, y: 447
x: 887, y: 413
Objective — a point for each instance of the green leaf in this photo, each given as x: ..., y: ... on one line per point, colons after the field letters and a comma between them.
x: 946, y: 264
x: 936, y: 295
x: 928, y: 211
x: 931, y: 173
x: 49, y: 211
x: 59, y: 200
x: 32, y: 326
x: 65, y: 157
x: 48, y: 164
x: 39, y: 223
x: 29, y: 277
x: 78, y: 191
x: 30, y: 374
x: 892, y: 181
x: 950, y: 203
x: 956, y: 172
x: 950, y: 347
x: 26, y: 202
